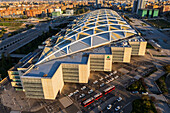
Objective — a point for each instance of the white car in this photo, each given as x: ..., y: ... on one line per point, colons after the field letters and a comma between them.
x: 114, y: 72
x: 77, y: 91
x: 106, y: 76
x: 83, y: 88
x: 116, y: 77
x: 101, y: 79
x: 91, y: 91
x: 111, y: 79
x: 108, y: 81
x: 82, y: 95
x: 71, y: 94
x: 119, y: 99
x: 110, y: 74
x: 95, y: 82
x: 109, y: 106
x: 117, y: 108
x: 101, y: 85
x: 144, y: 93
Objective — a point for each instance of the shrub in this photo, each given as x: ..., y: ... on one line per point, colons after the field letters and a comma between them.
x: 153, y: 99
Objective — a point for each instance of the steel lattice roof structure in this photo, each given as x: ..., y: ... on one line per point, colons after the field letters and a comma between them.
x: 91, y: 30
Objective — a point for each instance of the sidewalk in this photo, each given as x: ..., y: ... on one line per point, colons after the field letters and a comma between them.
x: 150, y: 81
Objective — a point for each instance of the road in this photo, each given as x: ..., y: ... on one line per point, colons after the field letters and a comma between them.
x: 151, y: 33
x: 13, y: 43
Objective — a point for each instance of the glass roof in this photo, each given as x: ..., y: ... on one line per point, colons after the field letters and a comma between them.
x: 95, y: 28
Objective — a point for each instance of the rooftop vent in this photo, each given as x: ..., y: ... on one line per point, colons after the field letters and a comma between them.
x: 45, y: 75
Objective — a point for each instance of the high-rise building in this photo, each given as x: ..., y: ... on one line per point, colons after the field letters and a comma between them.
x: 138, y: 4
x: 98, y: 3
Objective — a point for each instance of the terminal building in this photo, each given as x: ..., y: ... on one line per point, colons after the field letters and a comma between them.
x: 93, y: 43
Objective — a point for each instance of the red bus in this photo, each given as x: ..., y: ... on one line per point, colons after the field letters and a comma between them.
x: 88, y: 102
x: 109, y: 89
x: 98, y: 95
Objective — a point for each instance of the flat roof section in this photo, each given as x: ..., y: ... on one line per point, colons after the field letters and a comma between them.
x: 50, y: 67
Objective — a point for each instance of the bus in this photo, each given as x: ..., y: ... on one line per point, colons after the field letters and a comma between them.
x: 109, y: 89
x: 88, y: 102
x: 98, y: 95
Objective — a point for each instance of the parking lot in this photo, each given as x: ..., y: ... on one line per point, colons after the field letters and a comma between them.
x: 99, y: 81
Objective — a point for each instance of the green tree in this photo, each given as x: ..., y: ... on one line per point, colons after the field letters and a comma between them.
x: 3, y: 61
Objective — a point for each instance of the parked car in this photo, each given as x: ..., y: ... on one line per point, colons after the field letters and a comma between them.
x: 101, y: 79
x: 109, y: 106
x: 116, y: 76
x: 135, y: 92
x: 117, y: 108
x: 114, y: 72
x: 91, y: 91
x: 71, y: 94
x: 106, y: 76
x: 144, y: 93
x: 77, y: 91
x: 82, y: 95
x: 95, y: 82
x: 83, y: 88
x: 108, y: 81
x: 110, y: 74
x: 101, y: 85
x: 119, y: 99
x: 111, y: 79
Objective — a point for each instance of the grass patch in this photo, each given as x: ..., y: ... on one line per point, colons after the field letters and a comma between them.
x: 149, y: 46
x: 162, y: 85
x: 19, y: 30
x: 143, y: 106
x: 139, y: 85
x: 11, y: 24
x: 159, y: 23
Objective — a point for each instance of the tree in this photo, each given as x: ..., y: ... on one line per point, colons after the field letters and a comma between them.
x: 9, y: 60
x: 145, y: 97
x: 83, y: 10
x: 153, y: 99
x: 3, y: 62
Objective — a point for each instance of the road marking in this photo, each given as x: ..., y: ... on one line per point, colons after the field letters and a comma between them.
x: 126, y: 105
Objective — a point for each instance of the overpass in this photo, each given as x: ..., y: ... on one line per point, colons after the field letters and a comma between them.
x: 13, y: 43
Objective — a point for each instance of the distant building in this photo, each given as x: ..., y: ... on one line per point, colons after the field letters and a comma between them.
x: 150, y: 13
x: 69, y: 11
x: 166, y: 8
x: 138, y: 4
x: 98, y: 3
x: 56, y: 13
